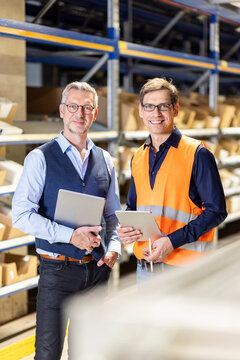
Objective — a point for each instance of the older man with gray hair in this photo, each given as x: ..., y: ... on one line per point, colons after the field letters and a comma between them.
x: 71, y: 260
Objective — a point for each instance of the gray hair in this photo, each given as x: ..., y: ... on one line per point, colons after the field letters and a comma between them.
x: 83, y: 86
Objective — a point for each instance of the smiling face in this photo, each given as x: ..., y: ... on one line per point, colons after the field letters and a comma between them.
x: 77, y: 123
x: 158, y: 122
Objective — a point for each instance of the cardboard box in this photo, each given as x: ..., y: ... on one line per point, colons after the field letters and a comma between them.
x: 128, y: 121
x: 212, y: 146
x: 212, y: 122
x: 234, y: 204
x: 129, y: 118
x: 102, y: 110
x: 125, y: 155
x: 17, y: 268
x: 10, y: 232
x: 227, y: 114
x: 13, y: 171
x: 231, y: 145
x: 2, y: 231
x: 13, y: 306
x: 185, y: 118
x: 198, y: 124
x: 8, y: 110
x: 236, y: 119
x: 3, y: 173
x: 43, y: 100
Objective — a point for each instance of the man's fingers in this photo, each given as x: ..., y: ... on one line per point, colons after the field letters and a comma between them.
x: 130, y: 239
x: 128, y: 234
x: 100, y: 262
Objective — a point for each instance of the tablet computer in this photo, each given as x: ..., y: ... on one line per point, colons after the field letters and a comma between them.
x: 74, y: 209
x: 140, y: 220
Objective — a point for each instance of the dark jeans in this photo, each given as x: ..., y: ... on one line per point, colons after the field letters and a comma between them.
x: 58, y: 280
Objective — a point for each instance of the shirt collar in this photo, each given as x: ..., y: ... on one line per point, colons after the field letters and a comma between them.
x: 65, y: 144
x: 172, y: 140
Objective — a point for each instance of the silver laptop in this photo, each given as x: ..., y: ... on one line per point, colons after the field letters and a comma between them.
x: 74, y: 209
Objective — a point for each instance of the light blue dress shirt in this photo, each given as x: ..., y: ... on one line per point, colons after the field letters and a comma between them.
x: 29, y: 190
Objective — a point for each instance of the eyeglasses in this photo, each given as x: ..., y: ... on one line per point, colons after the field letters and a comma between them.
x: 160, y: 107
x: 73, y: 108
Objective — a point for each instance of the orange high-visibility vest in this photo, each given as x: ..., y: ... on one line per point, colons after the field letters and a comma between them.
x: 169, y: 199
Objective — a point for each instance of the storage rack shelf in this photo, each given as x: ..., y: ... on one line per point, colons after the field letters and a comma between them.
x: 19, y: 286
x: 229, y: 161
x: 208, y: 8
x: 53, y: 36
x: 232, y: 217
x: 198, y: 133
x: 42, y: 138
x: 16, y: 242
x: 232, y: 191
x: 7, y: 190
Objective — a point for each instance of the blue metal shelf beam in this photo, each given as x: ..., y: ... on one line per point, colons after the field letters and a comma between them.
x: 154, y: 54
x: 208, y: 9
x: 198, y: 5
x: 226, y: 66
x: 52, y: 36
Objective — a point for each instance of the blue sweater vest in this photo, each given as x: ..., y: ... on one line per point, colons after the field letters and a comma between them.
x: 61, y: 174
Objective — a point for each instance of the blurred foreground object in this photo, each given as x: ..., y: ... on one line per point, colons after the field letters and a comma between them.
x: 189, y: 314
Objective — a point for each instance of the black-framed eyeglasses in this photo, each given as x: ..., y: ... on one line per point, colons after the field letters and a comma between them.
x: 73, y: 108
x: 160, y: 107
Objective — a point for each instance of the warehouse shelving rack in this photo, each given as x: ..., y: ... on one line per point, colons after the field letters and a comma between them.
x: 112, y: 49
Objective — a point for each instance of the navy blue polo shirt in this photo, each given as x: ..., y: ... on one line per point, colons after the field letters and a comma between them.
x: 205, y: 190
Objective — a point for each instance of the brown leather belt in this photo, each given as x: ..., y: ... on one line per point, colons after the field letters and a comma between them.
x: 84, y: 260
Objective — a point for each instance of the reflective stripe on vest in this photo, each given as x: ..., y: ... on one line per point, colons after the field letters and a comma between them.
x: 169, y: 200
x: 169, y: 213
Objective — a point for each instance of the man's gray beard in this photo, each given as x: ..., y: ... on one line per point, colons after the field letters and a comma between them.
x: 77, y: 132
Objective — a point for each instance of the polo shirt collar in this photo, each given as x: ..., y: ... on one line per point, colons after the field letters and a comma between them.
x: 172, y: 140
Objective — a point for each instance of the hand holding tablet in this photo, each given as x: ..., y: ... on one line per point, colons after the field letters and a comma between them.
x: 140, y: 220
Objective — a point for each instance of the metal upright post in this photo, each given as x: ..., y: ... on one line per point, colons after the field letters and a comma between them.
x: 203, y: 50
x: 112, y: 97
x: 113, y: 66
x: 127, y: 34
x: 214, y: 49
x: 214, y: 78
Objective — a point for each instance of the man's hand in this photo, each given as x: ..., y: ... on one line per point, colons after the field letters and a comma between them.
x: 84, y: 238
x: 162, y: 248
x: 127, y: 234
x: 109, y: 259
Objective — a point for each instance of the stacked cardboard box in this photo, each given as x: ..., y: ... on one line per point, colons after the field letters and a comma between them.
x: 231, y: 179
x: 125, y: 156
x: 224, y: 148
x: 17, y: 268
x: 7, y: 231
x: 128, y: 110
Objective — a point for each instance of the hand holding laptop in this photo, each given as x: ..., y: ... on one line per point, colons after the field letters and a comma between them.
x: 85, y: 239
x: 82, y: 212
